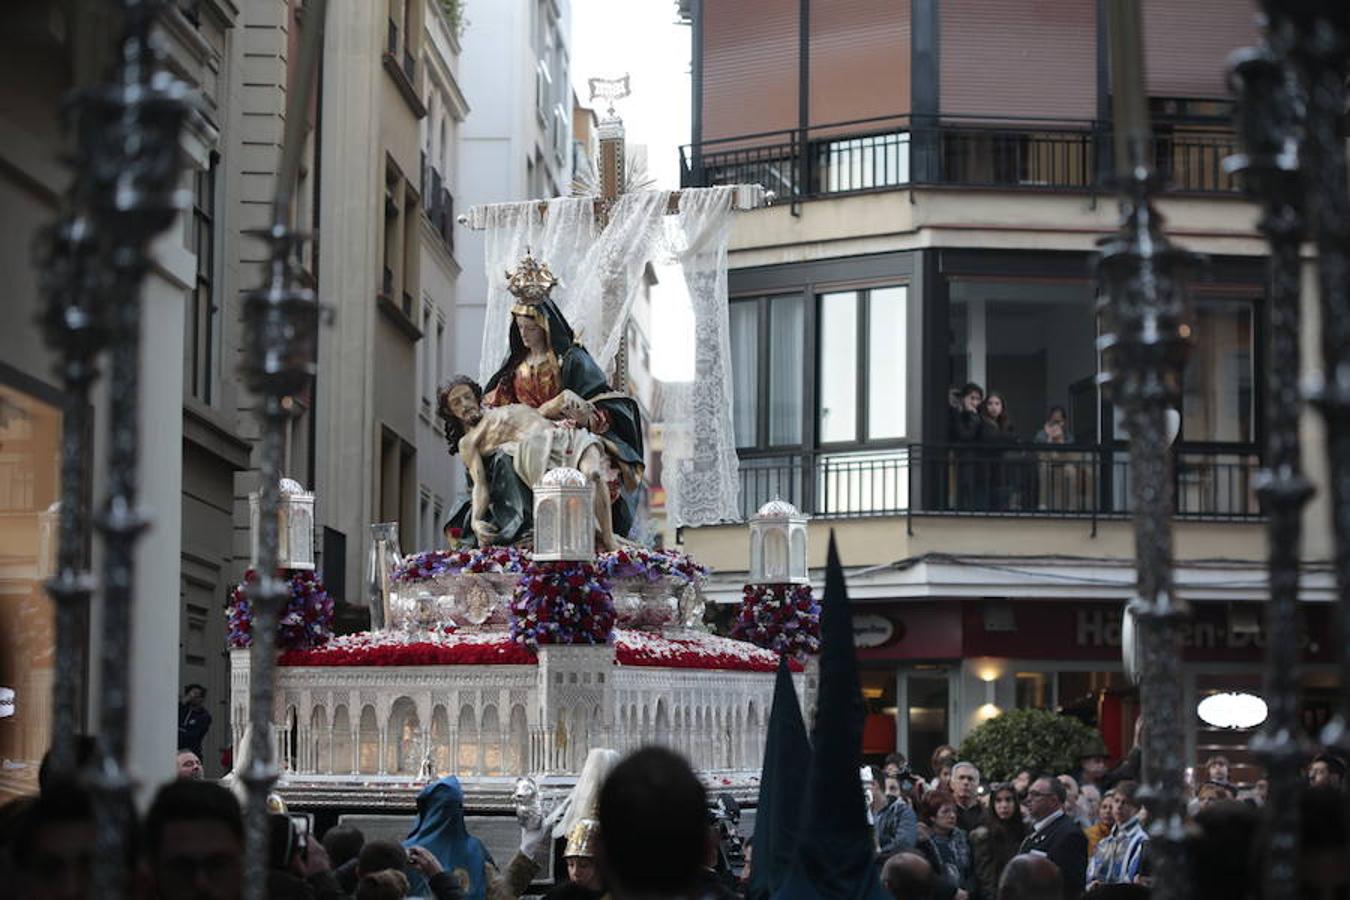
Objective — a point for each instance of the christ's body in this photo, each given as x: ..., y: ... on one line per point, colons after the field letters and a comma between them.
x: 535, y: 443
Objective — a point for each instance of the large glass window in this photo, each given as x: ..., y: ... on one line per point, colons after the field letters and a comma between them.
x: 862, y: 364
x: 886, y: 363
x: 1218, y: 401
x: 744, y: 322
x: 786, y: 327
x: 767, y: 341
x: 838, y: 367
x: 30, y: 435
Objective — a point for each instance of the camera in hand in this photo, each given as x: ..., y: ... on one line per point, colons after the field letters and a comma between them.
x: 724, y: 814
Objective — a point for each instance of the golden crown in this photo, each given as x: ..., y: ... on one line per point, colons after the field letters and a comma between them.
x: 530, y: 281
x: 583, y: 839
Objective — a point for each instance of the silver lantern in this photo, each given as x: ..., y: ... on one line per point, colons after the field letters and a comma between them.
x: 564, y: 517
x: 778, y: 545
x: 295, y: 527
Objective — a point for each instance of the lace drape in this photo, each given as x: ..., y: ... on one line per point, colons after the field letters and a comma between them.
x: 600, y: 274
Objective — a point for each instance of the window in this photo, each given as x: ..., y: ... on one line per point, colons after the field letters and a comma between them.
x: 30, y: 439
x: 203, y: 326
x: 1218, y: 401
x: 767, y: 339
x: 862, y: 365
x: 428, y: 362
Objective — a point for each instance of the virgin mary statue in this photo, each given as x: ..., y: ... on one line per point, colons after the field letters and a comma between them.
x: 547, y: 368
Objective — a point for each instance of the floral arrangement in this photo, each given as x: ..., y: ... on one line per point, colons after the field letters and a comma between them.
x: 562, y: 603
x: 784, y: 618
x: 653, y: 565
x: 431, y: 563
x: 395, y: 649
x: 305, y: 623
x: 631, y: 648
x: 643, y: 648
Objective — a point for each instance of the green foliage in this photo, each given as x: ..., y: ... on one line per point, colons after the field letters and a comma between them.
x: 454, y: 14
x: 1033, y: 738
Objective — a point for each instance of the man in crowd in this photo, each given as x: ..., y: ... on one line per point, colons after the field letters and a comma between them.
x: 654, y: 818
x: 194, y: 843
x: 908, y: 876
x: 1031, y: 877
x: 193, y: 719
x: 1327, y: 770
x: 190, y: 766
x: 897, y: 826
x: 583, y: 869
x: 1055, y: 835
x: 1119, y: 854
x: 966, y: 791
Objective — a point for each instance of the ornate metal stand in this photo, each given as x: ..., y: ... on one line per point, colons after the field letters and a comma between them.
x: 74, y: 328
x: 1145, y: 342
x: 282, y: 326
x: 1271, y: 119
x: 1319, y: 50
x: 129, y: 187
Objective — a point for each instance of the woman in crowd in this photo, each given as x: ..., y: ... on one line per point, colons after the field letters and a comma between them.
x: 996, y: 839
x: 999, y: 433
x: 942, y: 760
x: 1106, y: 820
x: 945, y: 846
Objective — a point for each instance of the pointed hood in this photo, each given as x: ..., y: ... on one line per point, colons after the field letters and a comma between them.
x: 836, y: 855
x: 440, y: 828
x: 778, y: 818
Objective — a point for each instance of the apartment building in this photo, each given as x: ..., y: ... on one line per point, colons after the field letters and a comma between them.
x: 193, y: 438
x: 942, y: 176
x: 515, y: 72
x: 446, y: 111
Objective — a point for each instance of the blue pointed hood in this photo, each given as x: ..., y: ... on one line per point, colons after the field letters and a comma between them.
x: 440, y: 829
x: 778, y: 818
x: 836, y: 854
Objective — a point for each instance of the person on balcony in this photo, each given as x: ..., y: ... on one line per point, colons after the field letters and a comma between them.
x: 965, y: 430
x: 1006, y: 475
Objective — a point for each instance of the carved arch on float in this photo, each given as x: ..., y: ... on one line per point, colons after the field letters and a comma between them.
x: 343, y: 750
x: 403, y: 738
x: 661, y: 732
x: 368, y: 741
x: 466, y: 741
x: 320, y: 743
x: 490, y: 740
x: 518, y: 756
x: 440, y: 739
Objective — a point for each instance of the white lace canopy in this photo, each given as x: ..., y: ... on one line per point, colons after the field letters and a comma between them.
x: 600, y: 273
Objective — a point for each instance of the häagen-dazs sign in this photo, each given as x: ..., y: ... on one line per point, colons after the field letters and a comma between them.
x: 871, y: 631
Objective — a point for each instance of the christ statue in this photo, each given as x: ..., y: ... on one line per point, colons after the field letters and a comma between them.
x: 533, y: 443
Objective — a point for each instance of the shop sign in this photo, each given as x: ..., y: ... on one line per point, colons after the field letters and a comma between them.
x: 6, y: 702
x: 872, y: 631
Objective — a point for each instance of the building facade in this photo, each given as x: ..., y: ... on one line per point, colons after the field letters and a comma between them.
x: 516, y: 76
x: 376, y: 186
x: 936, y: 229
x: 446, y: 111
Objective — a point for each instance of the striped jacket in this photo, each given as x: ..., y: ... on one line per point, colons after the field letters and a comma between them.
x: 1116, y: 860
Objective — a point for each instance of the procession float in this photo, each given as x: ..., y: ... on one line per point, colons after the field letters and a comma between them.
x: 539, y: 631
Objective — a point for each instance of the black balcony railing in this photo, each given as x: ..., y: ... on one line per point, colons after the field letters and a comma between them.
x: 1020, y: 480
x: 892, y: 152
x: 439, y: 204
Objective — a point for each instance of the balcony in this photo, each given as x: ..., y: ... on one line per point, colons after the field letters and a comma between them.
x: 975, y: 152
x: 1055, y: 481
x: 439, y: 205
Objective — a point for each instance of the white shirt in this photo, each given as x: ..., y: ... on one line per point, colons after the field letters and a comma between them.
x: 1042, y: 824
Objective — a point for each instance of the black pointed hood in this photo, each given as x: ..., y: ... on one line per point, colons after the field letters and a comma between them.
x: 778, y: 818
x: 836, y: 856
